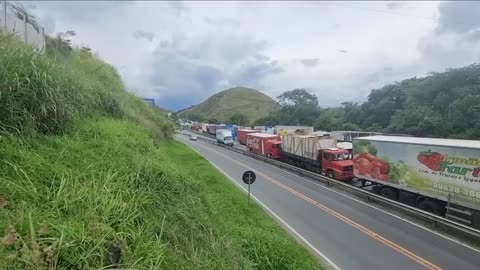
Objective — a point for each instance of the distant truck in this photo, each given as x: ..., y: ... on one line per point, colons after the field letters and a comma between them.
x: 224, y: 136
x: 348, y: 136
x: 242, y: 135
x: 317, y: 154
x: 285, y: 130
x: 264, y: 144
x: 204, y: 127
x: 212, y: 129
x: 427, y: 173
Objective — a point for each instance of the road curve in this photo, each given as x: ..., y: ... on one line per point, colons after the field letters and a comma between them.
x: 338, y: 228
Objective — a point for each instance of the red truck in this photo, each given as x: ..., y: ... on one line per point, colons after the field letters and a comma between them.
x: 242, y: 135
x: 264, y: 144
x: 318, y: 154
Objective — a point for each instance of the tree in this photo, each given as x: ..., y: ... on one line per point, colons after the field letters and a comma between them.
x: 61, y: 44
x: 297, y: 97
x: 239, y: 119
x: 213, y: 120
x: 298, y: 107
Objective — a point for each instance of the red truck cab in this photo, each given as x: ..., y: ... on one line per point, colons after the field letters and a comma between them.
x: 337, y: 164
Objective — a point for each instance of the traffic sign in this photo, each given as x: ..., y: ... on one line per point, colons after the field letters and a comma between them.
x: 249, y: 177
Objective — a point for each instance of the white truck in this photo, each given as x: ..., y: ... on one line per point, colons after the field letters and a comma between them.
x: 204, y: 127
x: 441, y: 176
x: 224, y: 136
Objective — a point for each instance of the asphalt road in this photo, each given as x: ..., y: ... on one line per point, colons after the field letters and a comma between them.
x: 339, y: 229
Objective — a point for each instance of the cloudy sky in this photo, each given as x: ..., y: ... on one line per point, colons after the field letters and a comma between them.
x: 182, y: 52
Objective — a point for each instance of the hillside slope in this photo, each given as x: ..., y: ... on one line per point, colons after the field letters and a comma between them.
x: 223, y: 105
x: 90, y: 178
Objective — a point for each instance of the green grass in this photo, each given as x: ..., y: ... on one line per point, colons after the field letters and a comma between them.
x: 106, y: 181
x: 90, y: 177
x: 45, y: 93
x: 221, y: 106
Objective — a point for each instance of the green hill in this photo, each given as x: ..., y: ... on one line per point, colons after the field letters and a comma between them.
x: 239, y: 100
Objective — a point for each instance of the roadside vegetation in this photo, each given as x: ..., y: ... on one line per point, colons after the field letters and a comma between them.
x: 90, y: 178
x: 443, y: 104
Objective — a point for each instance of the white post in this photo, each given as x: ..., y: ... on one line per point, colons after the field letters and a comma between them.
x: 44, y: 45
x: 5, y: 14
x: 25, y: 26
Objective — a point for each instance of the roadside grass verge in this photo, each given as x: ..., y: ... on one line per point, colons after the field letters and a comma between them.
x: 259, y: 239
x: 106, y: 185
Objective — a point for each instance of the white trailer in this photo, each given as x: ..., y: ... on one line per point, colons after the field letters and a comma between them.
x: 204, y: 127
x: 441, y: 176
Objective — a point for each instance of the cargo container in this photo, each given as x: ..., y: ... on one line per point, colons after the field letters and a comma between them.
x: 348, y: 136
x: 432, y: 174
x: 212, y: 129
x: 204, y: 127
x: 317, y: 154
x: 346, y: 146
x: 264, y: 144
x: 260, y: 129
x: 242, y: 135
x: 224, y: 136
x: 284, y: 130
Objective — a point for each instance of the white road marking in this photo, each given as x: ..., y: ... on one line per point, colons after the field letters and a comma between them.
x: 311, y: 246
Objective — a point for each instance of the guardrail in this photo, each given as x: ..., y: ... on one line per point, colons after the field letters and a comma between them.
x: 412, y: 211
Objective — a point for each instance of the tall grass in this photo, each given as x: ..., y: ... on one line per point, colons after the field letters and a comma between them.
x: 86, y: 183
x: 43, y: 94
x: 105, y: 183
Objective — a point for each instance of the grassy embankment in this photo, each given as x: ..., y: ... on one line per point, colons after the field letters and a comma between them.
x: 88, y: 176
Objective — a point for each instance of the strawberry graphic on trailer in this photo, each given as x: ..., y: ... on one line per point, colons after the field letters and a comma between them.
x: 432, y: 160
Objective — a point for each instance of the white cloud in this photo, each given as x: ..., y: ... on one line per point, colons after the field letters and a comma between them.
x: 340, y: 50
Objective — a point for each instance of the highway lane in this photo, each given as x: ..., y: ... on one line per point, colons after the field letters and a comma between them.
x: 351, y: 234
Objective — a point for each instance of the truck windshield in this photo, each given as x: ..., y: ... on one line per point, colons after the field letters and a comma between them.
x: 228, y: 138
x: 342, y: 156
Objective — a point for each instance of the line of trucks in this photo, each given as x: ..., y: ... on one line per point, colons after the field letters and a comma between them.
x: 441, y: 176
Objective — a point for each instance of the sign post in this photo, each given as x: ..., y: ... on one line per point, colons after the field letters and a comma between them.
x: 248, y: 178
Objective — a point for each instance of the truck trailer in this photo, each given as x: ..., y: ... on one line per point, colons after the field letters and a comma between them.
x: 212, y: 129
x: 441, y: 176
x: 317, y: 154
x: 284, y: 130
x: 264, y: 144
x: 204, y: 127
x: 224, y: 136
x: 242, y: 135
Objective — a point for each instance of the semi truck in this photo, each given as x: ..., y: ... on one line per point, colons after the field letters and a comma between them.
x: 318, y: 154
x: 212, y: 129
x: 264, y: 144
x: 204, y: 127
x: 242, y: 135
x: 224, y: 136
x: 441, y: 176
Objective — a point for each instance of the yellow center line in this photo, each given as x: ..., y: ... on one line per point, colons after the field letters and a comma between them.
x: 341, y: 217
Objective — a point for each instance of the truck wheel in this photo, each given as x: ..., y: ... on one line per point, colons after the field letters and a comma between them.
x: 389, y: 193
x: 431, y: 206
x: 331, y: 174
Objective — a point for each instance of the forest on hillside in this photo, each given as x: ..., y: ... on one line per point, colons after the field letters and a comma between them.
x: 444, y: 105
